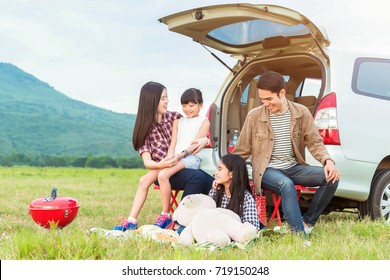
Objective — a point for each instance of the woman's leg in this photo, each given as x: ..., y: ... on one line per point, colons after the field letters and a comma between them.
x: 192, y: 181
x: 165, y: 186
x: 207, y: 182
x: 142, y: 192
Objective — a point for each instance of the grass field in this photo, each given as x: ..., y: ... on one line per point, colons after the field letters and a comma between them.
x: 105, y: 197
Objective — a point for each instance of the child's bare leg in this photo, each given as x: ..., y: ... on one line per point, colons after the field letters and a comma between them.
x: 142, y: 192
x: 165, y: 185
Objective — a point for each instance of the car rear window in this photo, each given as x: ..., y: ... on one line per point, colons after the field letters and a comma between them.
x: 252, y: 31
x: 371, y: 77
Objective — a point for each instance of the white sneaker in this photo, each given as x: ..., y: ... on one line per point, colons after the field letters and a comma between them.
x: 308, y: 230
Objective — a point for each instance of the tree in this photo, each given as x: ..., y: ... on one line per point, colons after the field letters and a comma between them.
x: 100, y: 162
x: 130, y: 163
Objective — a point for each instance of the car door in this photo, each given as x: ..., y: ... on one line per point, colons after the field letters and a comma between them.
x: 249, y: 30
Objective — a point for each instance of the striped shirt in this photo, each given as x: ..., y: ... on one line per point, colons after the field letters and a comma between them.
x: 159, y: 138
x: 249, y: 213
x: 283, y: 156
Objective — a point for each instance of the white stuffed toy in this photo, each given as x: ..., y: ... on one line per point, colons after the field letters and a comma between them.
x: 205, y: 223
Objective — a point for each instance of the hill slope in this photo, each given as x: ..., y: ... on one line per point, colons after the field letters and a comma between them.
x: 37, y: 119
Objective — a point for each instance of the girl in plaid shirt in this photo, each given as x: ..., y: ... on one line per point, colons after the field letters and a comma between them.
x: 151, y: 138
x: 231, y: 189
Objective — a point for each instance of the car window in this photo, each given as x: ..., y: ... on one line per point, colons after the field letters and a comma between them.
x: 309, y: 87
x: 244, y: 96
x: 371, y: 77
x: 249, y: 32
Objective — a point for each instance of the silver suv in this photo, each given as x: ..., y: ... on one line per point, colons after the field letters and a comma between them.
x: 348, y: 93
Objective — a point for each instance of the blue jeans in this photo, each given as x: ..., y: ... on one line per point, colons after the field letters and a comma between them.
x: 283, y: 182
x: 192, y: 181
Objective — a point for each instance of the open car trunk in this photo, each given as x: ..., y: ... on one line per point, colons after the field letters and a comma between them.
x: 304, y: 75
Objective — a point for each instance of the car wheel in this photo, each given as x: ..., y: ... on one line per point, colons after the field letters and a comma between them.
x: 379, y: 199
x: 363, y: 206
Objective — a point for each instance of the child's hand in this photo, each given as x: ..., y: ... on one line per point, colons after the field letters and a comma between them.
x: 195, y: 147
x: 198, y: 145
x: 176, y: 159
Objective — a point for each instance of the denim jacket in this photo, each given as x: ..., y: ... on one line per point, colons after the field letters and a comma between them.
x: 257, y: 139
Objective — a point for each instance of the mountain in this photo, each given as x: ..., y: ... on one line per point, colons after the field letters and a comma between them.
x: 37, y: 119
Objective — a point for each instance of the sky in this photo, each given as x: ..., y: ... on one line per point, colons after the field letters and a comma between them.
x: 102, y: 51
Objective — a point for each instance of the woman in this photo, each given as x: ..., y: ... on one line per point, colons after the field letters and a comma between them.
x: 231, y: 189
x: 151, y: 138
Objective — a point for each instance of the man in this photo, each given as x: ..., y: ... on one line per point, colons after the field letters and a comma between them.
x: 275, y: 135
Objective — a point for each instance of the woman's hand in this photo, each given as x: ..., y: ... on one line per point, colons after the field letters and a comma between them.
x: 168, y: 161
x: 215, y: 185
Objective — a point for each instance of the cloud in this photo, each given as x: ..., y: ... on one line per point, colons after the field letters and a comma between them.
x: 103, y: 51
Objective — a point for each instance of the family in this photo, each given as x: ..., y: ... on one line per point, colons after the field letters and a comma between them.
x: 171, y: 149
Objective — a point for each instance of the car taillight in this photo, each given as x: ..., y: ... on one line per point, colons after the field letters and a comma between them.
x: 325, y: 119
x: 208, y: 116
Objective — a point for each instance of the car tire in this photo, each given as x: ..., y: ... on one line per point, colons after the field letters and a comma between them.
x: 379, y: 199
x: 363, y: 206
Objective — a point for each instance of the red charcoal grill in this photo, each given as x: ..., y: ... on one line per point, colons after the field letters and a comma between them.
x: 54, y: 211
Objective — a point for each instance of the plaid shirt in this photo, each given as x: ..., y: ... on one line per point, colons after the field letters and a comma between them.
x: 159, y: 138
x: 249, y: 213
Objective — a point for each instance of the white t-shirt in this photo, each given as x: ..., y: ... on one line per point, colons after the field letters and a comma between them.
x: 186, y: 132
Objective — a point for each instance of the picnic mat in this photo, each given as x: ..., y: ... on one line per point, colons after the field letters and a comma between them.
x: 146, y: 231
x: 152, y: 232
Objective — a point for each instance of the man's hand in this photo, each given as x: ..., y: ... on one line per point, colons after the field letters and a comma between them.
x: 331, y: 172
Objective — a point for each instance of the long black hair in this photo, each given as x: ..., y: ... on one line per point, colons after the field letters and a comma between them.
x: 238, y: 185
x: 149, y: 99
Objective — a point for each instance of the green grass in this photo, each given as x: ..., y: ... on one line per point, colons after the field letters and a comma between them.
x: 105, y: 197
